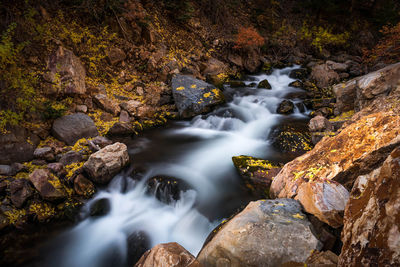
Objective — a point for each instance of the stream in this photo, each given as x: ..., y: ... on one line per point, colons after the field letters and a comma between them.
x: 197, y: 185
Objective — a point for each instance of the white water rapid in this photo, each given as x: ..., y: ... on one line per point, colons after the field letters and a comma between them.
x: 199, y: 153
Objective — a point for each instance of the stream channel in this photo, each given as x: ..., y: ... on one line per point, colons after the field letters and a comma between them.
x: 197, y: 185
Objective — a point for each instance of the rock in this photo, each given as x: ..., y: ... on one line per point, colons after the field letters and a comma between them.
x: 236, y: 59
x: 66, y: 73
x: 264, y: 84
x: 360, y: 92
x: 320, y: 124
x: 115, y: 55
x: 70, y: 157
x: 338, y: 67
x: 20, y: 191
x: 237, y: 84
x: 294, y: 139
x: 214, y: 67
x: 46, y: 153
x: 168, y: 255
x: 357, y: 149
x: 252, y: 60
x: 131, y: 106
x: 6, y: 170
x: 325, y: 200
x: 285, y: 107
x: 71, y: 128
x: 107, y: 162
x: 166, y: 189
x: 256, y: 173
x: 56, y: 168
x: 299, y: 74
x: 371, y: 233
x: 193, y: 96
x: 322, y: 258
x: 120, y: 129
x: 106, y: 104
x: 100, y: 207
x: 83, y: 187
x: 324, y: 76
x: 242, y: 240
x: 138, y: 244
x: 81, y: 108
x: 102, y: 141
x: 49, y: 186
x: 17, y: 145
x: 124, y: 117
x: 296, y: 84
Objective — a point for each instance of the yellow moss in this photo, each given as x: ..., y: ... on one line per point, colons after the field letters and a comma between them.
x: 298, y: 216
x: 193, y: 86
x: 14, y: 215
x: 180, y: 88
x: 42, y: 211
x: 344, y: 116
x: 207, y: 94
x: 72, y: 168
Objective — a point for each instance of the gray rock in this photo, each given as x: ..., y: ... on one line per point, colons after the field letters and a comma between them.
x: 71, y: 128
x: 70, y: 157
x: 17, y: 145
x: 6, y: 170
x: 46, y: 153
x: 265, y: 233
x: 20, y: 191
x: 193, y: 96
x: 103, y: 165
x: 320, y: 124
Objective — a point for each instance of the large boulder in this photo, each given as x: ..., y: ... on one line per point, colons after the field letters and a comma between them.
x: 71, y: 128
x: 66, y: 73
x: 168, y: 255
x: 103, y: 165
x: 371, y: 234
x: 17, y: 145
x: 193, y: 96
x: 361, y: 91
x: 48, y: 185
x: 265, y: 233
x: 324, y: 76
x: 257, y: 174
x: 356, y: 150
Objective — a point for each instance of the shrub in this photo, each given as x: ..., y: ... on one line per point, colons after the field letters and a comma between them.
x: 321, y: 37
x: 388, y: 48
x: 248, y: 38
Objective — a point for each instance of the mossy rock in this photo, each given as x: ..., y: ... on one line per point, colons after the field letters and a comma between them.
x: 297, y: 84
x: 257, y: 174
x: 299, y: 74
x: 294, y: 140
x: 264, y: 84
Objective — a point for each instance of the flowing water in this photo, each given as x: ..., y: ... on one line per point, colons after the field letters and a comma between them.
x: 198, y: 155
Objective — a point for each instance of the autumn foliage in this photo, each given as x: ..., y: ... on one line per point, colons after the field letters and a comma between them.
x: 247, y: 38
x: 388, y: 48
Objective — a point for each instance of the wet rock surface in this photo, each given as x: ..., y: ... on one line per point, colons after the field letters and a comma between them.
x: 193, y: 96
x: 242, y: 240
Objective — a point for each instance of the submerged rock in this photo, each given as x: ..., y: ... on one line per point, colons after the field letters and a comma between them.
x: 265, y: 233
x: 166, y: 189
x: 103, y: 165
x: 193, y: 96
x: 264, y: 84
x: 371, y: 234
x: 100, y: 207
x: 257, y: 173
x: 168, y: 255
x: 285, y: 107
x: 71, y: 128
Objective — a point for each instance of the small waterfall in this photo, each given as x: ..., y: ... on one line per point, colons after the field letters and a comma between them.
x: 195, y: 159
